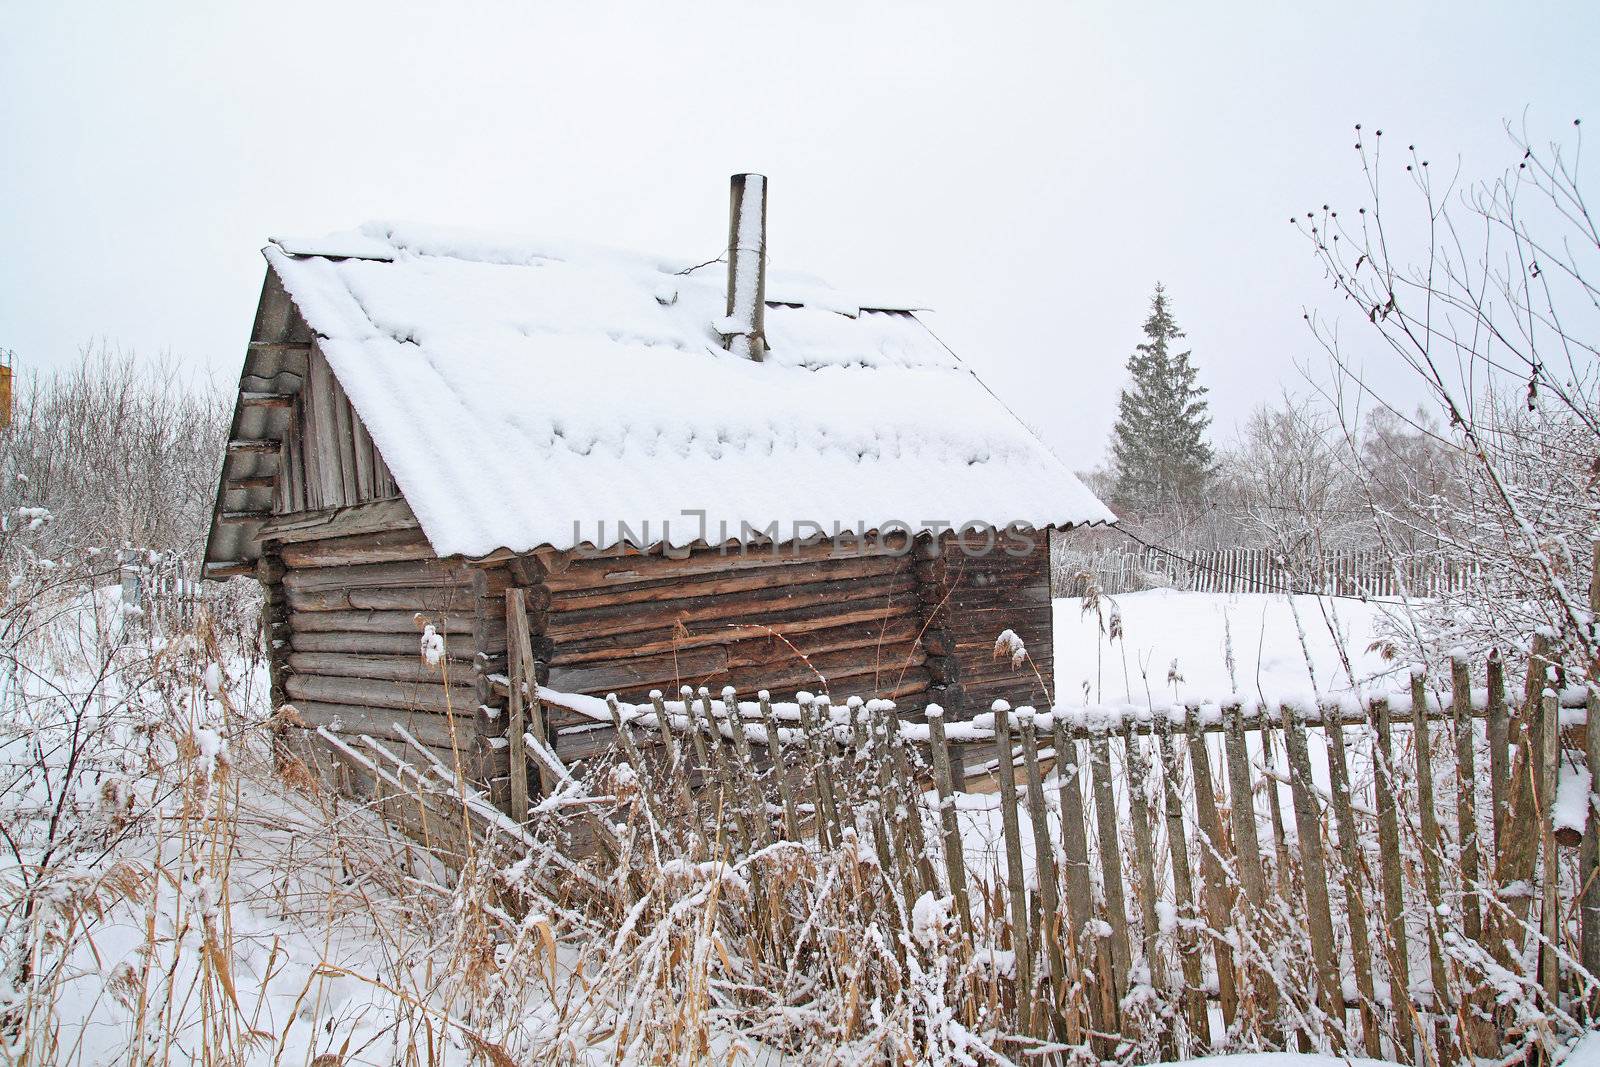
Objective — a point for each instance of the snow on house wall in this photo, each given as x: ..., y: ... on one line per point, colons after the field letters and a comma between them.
x: 523, y: 393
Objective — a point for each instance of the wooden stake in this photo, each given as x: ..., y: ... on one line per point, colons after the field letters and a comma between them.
x: 1189, y: 944
x: 1247, y: 849
x: 954, y: 859
x: 1499, y: 730
x: 1065, y: 1022
x: 1111, y: 881
x: 1429, y: 823
x: 1389, y: 861
x: 515, y: 720
x: 791, y: 813
x: 1466, y: 796
x: 1219, y: 915
x: 1351, y: 864
x: 1015, y: 886
x: 1550, y: 910
x: 1144, y: 863
x: 1319, y: 917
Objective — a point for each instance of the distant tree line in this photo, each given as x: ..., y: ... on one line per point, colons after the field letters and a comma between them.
x: 112, y: 451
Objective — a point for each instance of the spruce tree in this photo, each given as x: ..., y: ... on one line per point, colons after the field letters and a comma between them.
x: 1159, y: 454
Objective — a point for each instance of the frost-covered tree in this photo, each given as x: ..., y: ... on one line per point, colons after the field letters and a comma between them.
x: 1159, y: 453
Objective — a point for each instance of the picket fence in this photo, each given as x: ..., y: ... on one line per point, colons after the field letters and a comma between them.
x: 1360, y: 572
x: 1150, y: 893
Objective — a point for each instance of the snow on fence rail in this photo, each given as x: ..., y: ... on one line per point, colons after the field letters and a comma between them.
x: 1162, y: 882
x: 1248, y: 570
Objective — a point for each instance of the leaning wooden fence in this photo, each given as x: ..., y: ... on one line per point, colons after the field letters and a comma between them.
x: 1383, y: 878
x: 165, y: 591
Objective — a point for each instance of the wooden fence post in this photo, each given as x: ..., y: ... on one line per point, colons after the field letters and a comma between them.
x: 1190, y: 946
x: 1064, y: 1019
x: 954, y: 858
x: 1319, y: 917
x: 1218, y: 913
x: 1116, y: 900
x: 824, y: 817
x: 1015, y: 886
x: 1247, y: 849
x: 1550, y: 909
x: 1394, y: 919
x: 1144, y: 863
x: 769, y: 722
x: 1499, y: 730
x: 1075, y: 868
x: 1466, y: 798
x: 1429, y: 823
x: 1351, y: 863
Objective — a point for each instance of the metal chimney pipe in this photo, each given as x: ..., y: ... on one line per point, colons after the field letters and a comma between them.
x: 745, y: 328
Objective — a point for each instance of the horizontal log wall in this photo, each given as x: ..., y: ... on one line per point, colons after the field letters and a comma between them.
x: 989, y: 591
x: 818, y: 618
x: 356, y: 607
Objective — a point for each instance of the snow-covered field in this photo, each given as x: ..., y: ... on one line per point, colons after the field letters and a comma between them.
x: 1176, y: 645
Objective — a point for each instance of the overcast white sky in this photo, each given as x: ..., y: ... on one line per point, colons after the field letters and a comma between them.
x: 1027, y: 170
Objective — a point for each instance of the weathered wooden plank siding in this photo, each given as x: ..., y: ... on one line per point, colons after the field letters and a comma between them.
x: 990, y: 591
x: 816, y: 618
x: 328, y: 459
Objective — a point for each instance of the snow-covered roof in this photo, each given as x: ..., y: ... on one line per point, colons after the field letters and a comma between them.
x: 522, y: 392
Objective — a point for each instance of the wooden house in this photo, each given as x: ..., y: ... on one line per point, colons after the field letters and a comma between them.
x: 695, y: 476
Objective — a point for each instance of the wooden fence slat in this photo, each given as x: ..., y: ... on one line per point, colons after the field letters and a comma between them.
x: 1428, y: 822
x: 1319, y: 918
x: 1549, y: 909
x: 1144, y: 863
x: 827, y: 819
x: 1076, y: 876
x: 954, y: 858
x: 1111, y: 880
x: 1064, y: 1018
x: 1190, y: 947
x: 1395, y: 937
x: 1498, y: 729
x: 1219, y: 913
x: 1015, y: 887
x: 791, y: 813
x: 745, y: 774
x: 1466, y: 799
x: 1352, y: 864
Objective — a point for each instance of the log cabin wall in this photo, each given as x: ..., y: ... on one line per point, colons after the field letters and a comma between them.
x: 990, y: 591
x: 328, y: 459
x: 780, y: 621
x: 355, y: 606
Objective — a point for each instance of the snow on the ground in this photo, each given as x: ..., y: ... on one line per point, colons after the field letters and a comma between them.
x: 1166, y: 632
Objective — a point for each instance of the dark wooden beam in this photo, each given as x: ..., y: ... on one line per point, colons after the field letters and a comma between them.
x: 254, y: 481
x: 229, y: 568
x: 339, y: 522
x: 266, y: 400
x: 243, y: 516
x: 260, y: 448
